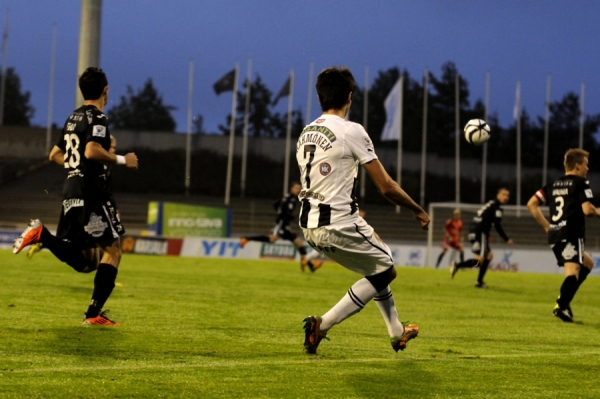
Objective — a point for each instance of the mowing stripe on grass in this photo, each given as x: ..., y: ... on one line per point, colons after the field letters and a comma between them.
x: 311, y: 360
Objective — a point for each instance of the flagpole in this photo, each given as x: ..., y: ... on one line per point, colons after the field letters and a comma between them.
x: 3, y: 79
x: 518, y: 116
x: 399, y: 160
x: 424, y: 136
x: 288, y: 135
x: 363, y: 173
x: 310, y: 91
x: 51, y: 91
x: 231, y: 137
x: 581, y: 115
x: 546, y: 130
x: 246, y: 123
x: 457, y: 140
x: 485, y: 145
x: 188, y: 141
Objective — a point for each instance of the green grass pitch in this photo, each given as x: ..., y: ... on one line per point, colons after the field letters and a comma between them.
x: 204, y: 328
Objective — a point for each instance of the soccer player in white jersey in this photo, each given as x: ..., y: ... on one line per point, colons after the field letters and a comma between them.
x: 329, y: 151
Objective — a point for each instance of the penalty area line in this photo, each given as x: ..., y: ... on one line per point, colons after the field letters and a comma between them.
x: 311, y: 360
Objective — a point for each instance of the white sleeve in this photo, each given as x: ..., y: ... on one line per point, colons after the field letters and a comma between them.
x: 360, y: 144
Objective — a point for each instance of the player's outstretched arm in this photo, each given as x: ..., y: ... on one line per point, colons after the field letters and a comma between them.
x: 95, y: 152
x: 534, y: 208
x: 392, y: 191
x: 57, y: 156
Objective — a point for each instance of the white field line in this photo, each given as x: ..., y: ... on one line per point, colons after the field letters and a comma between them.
x: 309, y: 360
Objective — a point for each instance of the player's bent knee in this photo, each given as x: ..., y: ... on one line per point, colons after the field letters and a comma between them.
x: 381, y: 280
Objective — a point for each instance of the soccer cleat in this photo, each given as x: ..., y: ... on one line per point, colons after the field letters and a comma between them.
x: 410, y: 331
x: 31, y: 235
x: 34, y: 249
x: 480, y: 285
x: 453, y: 269
x: 312, y: 334
x: 243, y: 241
x: 564, y: 314
x: 101, y: 320
x: 315, y: 265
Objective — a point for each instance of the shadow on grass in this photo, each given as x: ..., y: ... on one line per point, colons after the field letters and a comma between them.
x: 406, y: 376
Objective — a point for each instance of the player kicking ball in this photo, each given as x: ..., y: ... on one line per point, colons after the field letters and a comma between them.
x: 328, y: 152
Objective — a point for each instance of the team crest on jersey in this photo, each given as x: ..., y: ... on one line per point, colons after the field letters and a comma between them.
x: 89, y: 115
x: 569, y: 252
x: 95, y: 226
x: 99, y: 131
x: 324, y: 168
x: 588, y: 193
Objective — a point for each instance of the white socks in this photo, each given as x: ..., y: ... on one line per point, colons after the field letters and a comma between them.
x: 355, y: 299
x: 385, y: 302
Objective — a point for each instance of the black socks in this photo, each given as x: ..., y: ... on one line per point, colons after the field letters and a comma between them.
x: 567, y: 291
x: 65, y: 251
x: 482, y: 270
x: 104, y: 283
x: 258, y: 238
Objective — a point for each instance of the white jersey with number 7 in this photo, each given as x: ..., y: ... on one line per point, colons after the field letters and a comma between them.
x: 329, y: 151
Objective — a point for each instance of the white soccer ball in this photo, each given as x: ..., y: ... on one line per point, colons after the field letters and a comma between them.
x: 477, y: 131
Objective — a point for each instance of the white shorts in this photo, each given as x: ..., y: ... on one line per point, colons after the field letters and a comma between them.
x: 356, y: 247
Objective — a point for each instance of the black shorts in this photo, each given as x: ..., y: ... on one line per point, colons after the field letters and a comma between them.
x: 87, y: 223
x: 480, y: 244
x: 281, y: 230
x: 568, y: 251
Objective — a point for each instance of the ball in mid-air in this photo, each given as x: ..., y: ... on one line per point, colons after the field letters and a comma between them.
x: 477, y: 131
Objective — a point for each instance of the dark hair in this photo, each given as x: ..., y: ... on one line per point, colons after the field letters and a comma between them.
x: 574, y: 156
x: 501, y: 188
x: 92, y: 82
x: 333, y: 87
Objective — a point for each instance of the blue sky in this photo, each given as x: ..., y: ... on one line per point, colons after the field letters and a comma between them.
x: 155, y: 39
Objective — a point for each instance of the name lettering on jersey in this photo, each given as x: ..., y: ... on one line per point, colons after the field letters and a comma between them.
x: 563, y: 183
x: 71, y: 203
x: 99, y: 131
x: 315, y: 138
x: 310, y: 134
x: 311, y: 194
x: 71, y: 126
x: 76, y: 117
x: 560, y: 191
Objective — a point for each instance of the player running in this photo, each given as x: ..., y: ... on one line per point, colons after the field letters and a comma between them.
x: 452, y: 237
x: 286, y: 207
x: 479, y: 235
x: 569, y: 199
x: 89, y: 217
x: 328, y: 152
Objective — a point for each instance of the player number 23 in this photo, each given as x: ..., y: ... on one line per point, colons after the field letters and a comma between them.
x: 72, y: 157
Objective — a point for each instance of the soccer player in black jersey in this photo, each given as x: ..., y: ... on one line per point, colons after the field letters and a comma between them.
x: 569, y: 199
x: 89, y: 222
x: 285, y: 214
x: 479, y: 232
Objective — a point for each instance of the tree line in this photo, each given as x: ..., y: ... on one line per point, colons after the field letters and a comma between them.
x: 144, y: 109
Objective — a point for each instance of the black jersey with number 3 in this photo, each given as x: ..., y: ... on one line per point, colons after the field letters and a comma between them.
x: 85, y: 178
x: 564, y: 197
